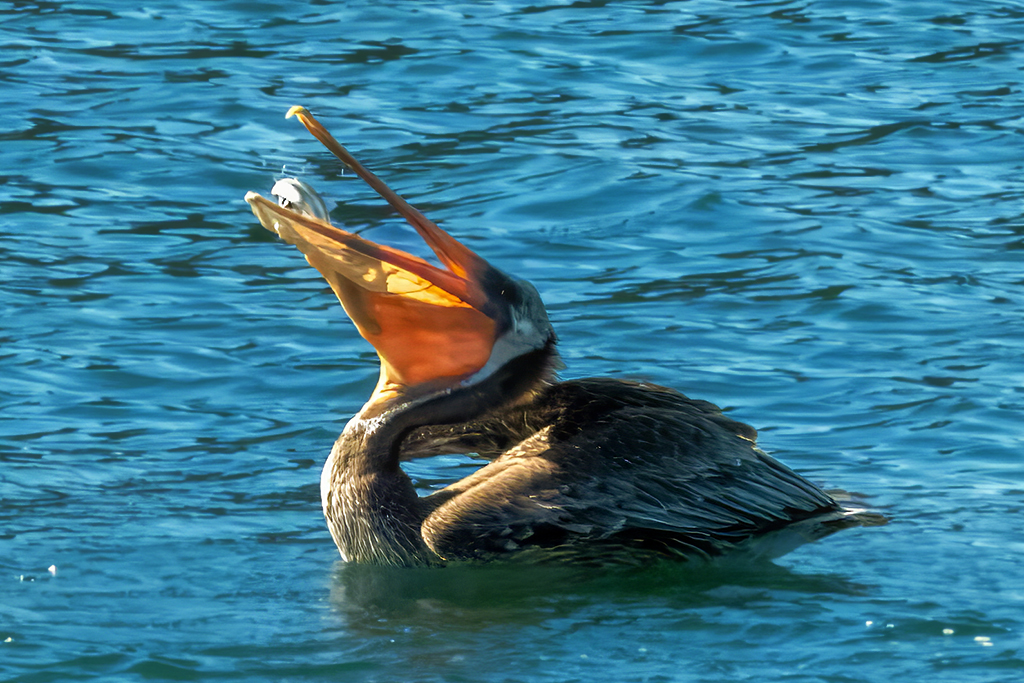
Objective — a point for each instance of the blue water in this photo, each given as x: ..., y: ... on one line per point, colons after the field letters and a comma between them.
x: 807, y: 212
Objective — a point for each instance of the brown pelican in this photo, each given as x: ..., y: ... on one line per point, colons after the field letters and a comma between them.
x: 588, y: 468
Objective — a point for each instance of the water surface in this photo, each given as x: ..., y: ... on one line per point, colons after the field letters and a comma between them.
x: 809, y: 213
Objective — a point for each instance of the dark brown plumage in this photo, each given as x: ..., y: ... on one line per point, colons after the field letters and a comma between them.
x: 590, y: 468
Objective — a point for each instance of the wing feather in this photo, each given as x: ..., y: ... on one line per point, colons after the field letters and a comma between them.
x: 650, y: 468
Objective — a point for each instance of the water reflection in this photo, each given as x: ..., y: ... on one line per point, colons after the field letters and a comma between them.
x: 529, y: 592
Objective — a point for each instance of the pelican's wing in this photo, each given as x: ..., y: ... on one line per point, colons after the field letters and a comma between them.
x: 666, y: 474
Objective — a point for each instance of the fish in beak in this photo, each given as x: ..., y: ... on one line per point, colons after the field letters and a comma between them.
x: 434, y: 328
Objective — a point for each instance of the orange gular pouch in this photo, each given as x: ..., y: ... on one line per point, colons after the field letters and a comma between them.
x: 422, y: 333
x: 417, y: 316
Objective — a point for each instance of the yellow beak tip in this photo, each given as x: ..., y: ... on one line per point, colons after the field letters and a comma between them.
x: 296, y: 110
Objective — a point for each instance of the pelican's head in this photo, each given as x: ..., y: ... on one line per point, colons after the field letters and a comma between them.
x: 436, y: 329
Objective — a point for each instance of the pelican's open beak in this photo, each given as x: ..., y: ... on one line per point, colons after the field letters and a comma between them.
x: 430, y: 326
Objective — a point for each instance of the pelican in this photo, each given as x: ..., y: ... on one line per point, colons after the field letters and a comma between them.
x: 591, y: 469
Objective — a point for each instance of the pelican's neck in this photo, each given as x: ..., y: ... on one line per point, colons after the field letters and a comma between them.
x: 371, y: 506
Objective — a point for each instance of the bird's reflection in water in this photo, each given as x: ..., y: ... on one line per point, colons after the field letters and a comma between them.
x: 473, y: 594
